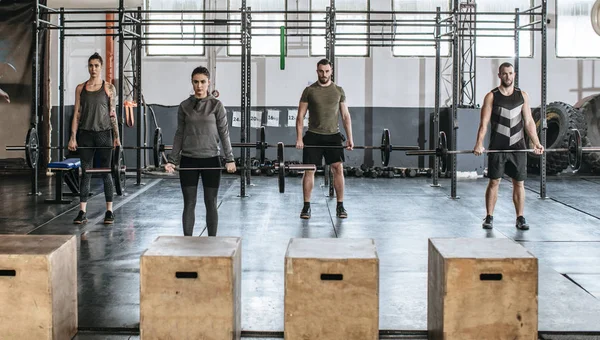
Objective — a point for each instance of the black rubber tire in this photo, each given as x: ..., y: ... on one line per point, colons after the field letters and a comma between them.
x: 561, y: 117
x: 590, y: 109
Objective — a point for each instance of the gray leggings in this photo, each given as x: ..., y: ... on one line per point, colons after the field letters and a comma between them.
x: 189, y: 186
x: 91, y: 139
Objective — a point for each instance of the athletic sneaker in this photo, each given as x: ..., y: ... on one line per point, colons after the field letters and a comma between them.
x: 340, y: 212
x: 488, y: 222
x: 305, y: 213
x: 109, y: 217
x: 522, y: 224
x: 81, y: 218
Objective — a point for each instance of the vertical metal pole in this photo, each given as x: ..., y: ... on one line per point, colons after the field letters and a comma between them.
x: 121, y: 70
x: 330, y: 55
x: 436, y: 114
x: 474, y: 53
x: 248, y: 91
x: 36, y: 88
x: 61, y: 86
x: 330, y: 37
x: 328, y: 34
x: 455, y: 85
x: 137, y: 88
x: 243, y: 96
x: 517, y: 52
x: 543, y: 102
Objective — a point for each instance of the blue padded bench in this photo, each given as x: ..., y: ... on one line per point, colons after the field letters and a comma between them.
x: 67, y: 164
x: 64, y: 171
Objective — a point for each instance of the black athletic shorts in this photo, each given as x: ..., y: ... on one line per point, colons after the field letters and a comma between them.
x: 513, y: 165
x: 210, y: 178
x: 315, y: 155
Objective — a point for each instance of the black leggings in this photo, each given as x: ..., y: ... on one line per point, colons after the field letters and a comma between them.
x: 189, y: 186
x: 91, y: 139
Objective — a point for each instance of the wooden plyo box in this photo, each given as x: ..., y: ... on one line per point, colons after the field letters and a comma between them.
x: 331, y: 289
x: 481, y: 289
x: 38, y: 287
x: 190, y: 288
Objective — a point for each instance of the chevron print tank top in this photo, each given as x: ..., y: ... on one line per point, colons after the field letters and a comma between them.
x: 507, y: 122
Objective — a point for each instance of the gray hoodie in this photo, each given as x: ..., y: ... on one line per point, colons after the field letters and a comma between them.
x: 201, y: 124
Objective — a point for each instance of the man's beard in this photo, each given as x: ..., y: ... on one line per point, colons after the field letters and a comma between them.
x: 324, y: 80
x: 506, y: 83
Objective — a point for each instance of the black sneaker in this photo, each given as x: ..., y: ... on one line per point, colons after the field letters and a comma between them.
x: 109, y: 217
x: 522, y: 224
x: 81, y: 218
x: 305, y: 213
x: 340, y: 212
x: 488, y: 222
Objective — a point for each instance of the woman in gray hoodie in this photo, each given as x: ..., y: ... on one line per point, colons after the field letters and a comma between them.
x: 201, y: 125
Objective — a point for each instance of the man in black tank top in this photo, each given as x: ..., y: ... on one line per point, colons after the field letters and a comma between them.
x: 507, y: 109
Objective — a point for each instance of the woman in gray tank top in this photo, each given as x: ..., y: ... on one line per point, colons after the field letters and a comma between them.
x: 95, y: 125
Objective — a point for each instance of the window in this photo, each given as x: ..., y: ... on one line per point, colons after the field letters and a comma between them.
x: 575, y: 36
x: 427, y: 27
x: 183, y: 39
x: 502, y: 46
x: 346, y: 33
x: 271, y: 23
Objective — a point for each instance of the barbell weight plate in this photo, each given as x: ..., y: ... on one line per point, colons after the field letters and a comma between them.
x: 575, y: 150
x: 263, y: 144
x: 116, y: 165
x: 595, y: 17
x: 442, y: 149
x: 122, y: 172
x: 156, y: 150
x: 281, y: 170
x: 32, y: 147
x: 385, y: 147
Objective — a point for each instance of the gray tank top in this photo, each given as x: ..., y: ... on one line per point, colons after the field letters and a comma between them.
x: 95, y: 110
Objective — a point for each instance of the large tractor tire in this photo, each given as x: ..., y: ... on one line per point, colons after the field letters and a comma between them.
x: 561, y: 117
x: 590, y: 109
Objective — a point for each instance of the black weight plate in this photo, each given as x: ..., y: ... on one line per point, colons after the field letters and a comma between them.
x: 263, y: 144
x: 280, y: 161
x: 32, y: 148
x: 116, y: 164
x: 442, y: 151
x: 156, y: 147
x: 575, y: 150
x: 385, y: 147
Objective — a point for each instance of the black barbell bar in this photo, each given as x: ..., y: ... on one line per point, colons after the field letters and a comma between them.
x: 574, y: 148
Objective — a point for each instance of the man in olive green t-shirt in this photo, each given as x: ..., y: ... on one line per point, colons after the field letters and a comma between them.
x: 325, y: 101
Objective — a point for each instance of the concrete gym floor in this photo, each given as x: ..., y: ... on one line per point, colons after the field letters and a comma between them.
x: 400, y: 214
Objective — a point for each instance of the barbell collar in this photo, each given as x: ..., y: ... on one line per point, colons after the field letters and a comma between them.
x: 15, y: 148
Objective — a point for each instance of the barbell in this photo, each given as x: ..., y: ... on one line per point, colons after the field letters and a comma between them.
x: 385, y: 147
x: 118, y: 168
x: 32, y: 147
x: 280, y: 165
x: 574, y: 149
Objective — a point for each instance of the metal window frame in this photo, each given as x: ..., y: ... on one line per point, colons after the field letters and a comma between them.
x: 531, y: 41
x: 340, y: 55
x: 434, y: 55
x: 277, y: 54
x: 160, y: 55
x: 556, y: 39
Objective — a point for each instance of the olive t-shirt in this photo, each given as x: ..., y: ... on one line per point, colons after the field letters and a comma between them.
x: 323, y: 107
